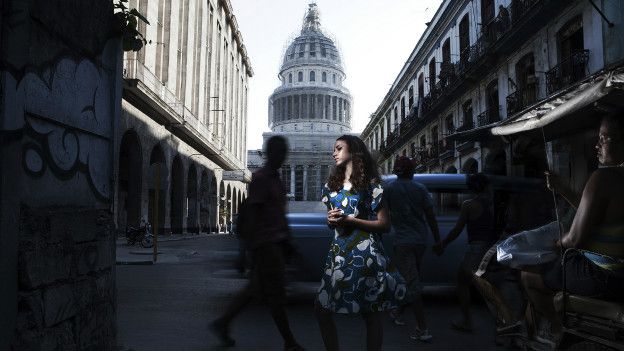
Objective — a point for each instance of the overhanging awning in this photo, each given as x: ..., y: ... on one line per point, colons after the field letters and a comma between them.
x: 606, y: 88
x: 472, y: 134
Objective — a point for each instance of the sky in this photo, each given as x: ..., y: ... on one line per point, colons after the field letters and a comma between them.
x: 374, y: 37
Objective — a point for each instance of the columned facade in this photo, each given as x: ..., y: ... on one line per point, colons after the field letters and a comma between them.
x: 184, y: 120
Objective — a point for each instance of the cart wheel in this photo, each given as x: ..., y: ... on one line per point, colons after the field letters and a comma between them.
x: 147, y: 241
x: 587, y: 346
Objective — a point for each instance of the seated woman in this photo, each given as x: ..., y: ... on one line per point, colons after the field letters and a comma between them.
x: 596, y: 267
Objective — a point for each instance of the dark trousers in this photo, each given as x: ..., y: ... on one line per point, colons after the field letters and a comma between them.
x: 268, y: 281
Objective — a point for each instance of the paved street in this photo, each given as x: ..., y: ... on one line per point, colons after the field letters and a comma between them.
x: 167, y: 306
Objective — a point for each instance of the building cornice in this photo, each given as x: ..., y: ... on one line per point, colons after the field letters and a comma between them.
x: 444, y: 16
x: 231, y: 19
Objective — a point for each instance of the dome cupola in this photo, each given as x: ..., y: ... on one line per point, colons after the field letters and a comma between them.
x: 312, y: 45
x: 311, y: 97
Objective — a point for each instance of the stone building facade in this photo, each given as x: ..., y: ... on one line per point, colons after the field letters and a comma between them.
x: 184, y: 120
x: 60, y: 98
x: 311, y: 108
x: 480, y: 63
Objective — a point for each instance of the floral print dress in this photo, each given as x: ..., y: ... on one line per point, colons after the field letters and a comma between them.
x: 357, y: 276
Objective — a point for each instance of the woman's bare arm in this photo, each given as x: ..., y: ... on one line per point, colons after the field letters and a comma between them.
x: 379, y: 225
x: 590, y: 212
x: 459, y: 226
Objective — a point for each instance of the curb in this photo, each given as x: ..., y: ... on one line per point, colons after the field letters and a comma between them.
x: 150, y: 262
x: 122, y: 241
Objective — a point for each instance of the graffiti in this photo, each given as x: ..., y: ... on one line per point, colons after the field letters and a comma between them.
x: 66, y: 111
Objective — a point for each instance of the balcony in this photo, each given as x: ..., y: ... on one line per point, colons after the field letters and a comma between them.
x: 422, y: 158
x: 470, y: 56
x: 488, y: 116
x: 433, y: 154
x: 446, y: 149
x: 465, y: 146
x: 521, y: 98
x: 501, y: 36
x: 569, y: 71
x: 467, y: 125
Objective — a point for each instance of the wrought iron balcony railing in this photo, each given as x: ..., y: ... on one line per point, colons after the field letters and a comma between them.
x: 488, y: 116
x: 570, y: 70
x: 467, y: 125
x: 445, y: 146
x: 471, y: 54
x: 521, y: 98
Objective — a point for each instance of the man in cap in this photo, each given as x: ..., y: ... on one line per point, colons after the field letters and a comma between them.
x: 411, y: 214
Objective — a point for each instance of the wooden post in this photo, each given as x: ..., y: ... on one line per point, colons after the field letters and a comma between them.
x: 156, y: 219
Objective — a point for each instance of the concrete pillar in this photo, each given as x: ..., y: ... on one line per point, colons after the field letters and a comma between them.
x: 330, y: 111
x: 292, y: 179
x: 305, y: 183
x: 319, y: 182
x: 319, y: 104
x: 341, y: 109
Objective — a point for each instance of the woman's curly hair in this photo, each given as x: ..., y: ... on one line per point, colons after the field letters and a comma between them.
x: 364, y: 168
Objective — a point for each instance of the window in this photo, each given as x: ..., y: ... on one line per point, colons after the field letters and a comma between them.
x: 570, y: 38
x: 434, y: 136
x: 464, y: 38
x: 421, y: 86
x: 450, y: 126
x: 432, y: 74
x: 487, y: 11
x: 402, y: 108
x: 467, y: 111
x: 300, y: 77
x: 491, y: 102
x: 324, y: 77
x: 395, y: 118
x: 446, y: 51
x: 410, y: 96
x: 526, y: 85
x: 289, y: 77
x: 323, y: 51
x: 313, y: 49
x: 312, y: 76
x: 334, y: 78
x: 301, y: 50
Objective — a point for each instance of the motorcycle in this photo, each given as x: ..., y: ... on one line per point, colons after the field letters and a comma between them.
x: 142, y: 235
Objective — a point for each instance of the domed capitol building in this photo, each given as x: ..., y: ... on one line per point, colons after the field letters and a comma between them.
x: 311, y: 108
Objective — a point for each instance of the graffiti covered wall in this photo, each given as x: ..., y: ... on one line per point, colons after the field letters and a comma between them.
x: 60, y: 81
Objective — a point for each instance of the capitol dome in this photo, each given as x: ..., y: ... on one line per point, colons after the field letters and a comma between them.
x: 311, y: 97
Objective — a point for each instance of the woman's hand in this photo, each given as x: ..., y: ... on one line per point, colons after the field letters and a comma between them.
x: 336, y: 218
x: 557, y: 244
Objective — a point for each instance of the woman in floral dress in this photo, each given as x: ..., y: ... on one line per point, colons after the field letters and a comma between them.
x: 357, y: 276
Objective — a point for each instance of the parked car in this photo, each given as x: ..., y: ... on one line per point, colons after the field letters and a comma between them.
x: 312, y: 237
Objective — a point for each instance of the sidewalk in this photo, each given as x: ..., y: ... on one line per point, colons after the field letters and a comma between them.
x: 137, y: 255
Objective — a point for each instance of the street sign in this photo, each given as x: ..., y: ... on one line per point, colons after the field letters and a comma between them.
x: 238, y: 175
